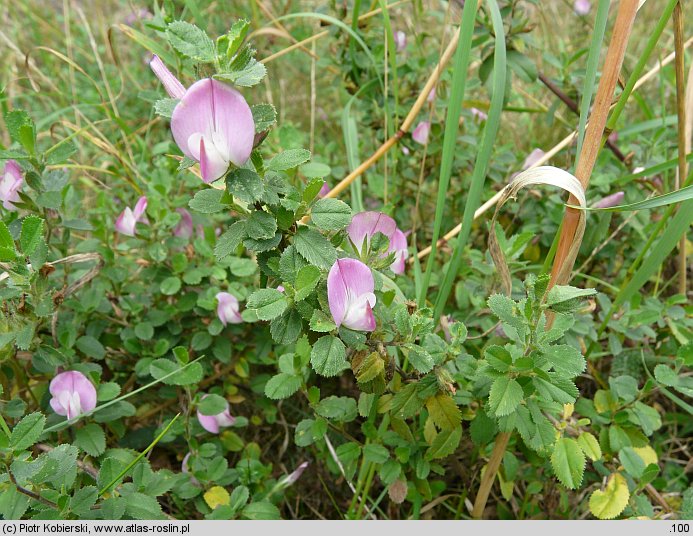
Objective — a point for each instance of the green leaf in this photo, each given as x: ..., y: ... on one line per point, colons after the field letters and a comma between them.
x: 165, y: 107
x: 83, y: 499
x: 328, y: 356
x: 264, y: 116
x: 568, y: 462
x: 27, y: 431
x: 315, y: 248
x: 207, y: 201
x: 245, y: 184
x: 268, y: 303
x: 375, y: 453
x: 161, y: 367
x: 170, y: 286
x: 7, y: 249
x: 285, y: 329
x: 632, y: 462
x: 261, y: 225
x: 331, y: 214
x: 406, y: 403
x: 288, y: 159
x: 420, y: 359
x: 91, y: 347
x: 91, y: 439
x: 590, y: 446
x: 191, y: 41
x: 567, y: 361
x: 445, y: 443
x: 321, y: 323
x: 261, y: 510
x: 107, y: 391
x: 610, y: 503
x: 337, y: 408
x: 31, y: 235
x: 141, y: 506
x: 443, y: 411
x: 498, y: 357
x: 370, y: 368
x: 306, y: 281
x: 505, y: 395
x: 212, y: 404
x: 239, y: 497
x: 144, y: 331
x: 289, y: 264
x: 566, y: 299
x: 230, y: 240
x: 282, y: 385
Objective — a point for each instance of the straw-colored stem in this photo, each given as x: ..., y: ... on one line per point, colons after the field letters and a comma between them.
x: 490, y: 474
x: 681, y: 115
x: 595, y: 134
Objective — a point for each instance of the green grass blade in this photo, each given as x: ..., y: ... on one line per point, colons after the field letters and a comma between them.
x: 483, y: 158
x: 139, y: 457
x: 591, y: 71
x: 676, y: 196
x: 452, y: 122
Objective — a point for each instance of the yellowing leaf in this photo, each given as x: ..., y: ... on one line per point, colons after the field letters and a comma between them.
x: 568, y: 410
x: 444, y: 412
x: 647, y: 453
x: 610, y: 503
x: 217, y: 496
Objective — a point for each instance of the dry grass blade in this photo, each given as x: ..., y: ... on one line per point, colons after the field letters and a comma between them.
x: 682, y: 114
x: 547, y: 175
x: 594, y: 137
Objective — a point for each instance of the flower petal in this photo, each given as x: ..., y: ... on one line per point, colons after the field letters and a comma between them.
x: 212, y: 164
x: 421, y: 132
x: 125, y: 223
x: 366, y: 224
x: 610, y: 200
x: 228, y: 309
x: 73, y: 394
x: 171, y: 84
x: 398, y: 244
x: 184, y: 229
x: 350, y: 295
x: 140, y: 207
x: 221, y: 115
x: 11, y: 182
x: 208, y: 422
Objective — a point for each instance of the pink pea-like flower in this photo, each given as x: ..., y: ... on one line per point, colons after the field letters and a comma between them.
x: 211, y: 124
x: 213, y: 423
x: 128, y: 219
x: 184, y: 229
x: 431, y: 95
x: 421, y: 132
x: 295, y: 474
x: 478, y: 114
x: 365, y: 225
x: 73, y: 394
x: 582, y: 7
x: 350, y: 287
x: 610, y: 200
x: 324, y: 190
x: 10, y: 183
x: 400, y: 40
x: 532, y: 158
x: 228, y: 309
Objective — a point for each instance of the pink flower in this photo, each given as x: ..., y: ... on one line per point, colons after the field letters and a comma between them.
x: 478, y: 114
x: 610, y: 200
x: 582, y: 7
x: 73, y: 394
x: 324, y: 190
x: 212, y: 123
x: 532, y: 158
x: 10, y: 184
x: 281, y: 288
x: 613, y: 137
x: 228, y: 309
x: 366, y: 224
x: 295, y: 475
x: 140, y: 14
x: 213, y: 423
x: 400, y: 40
x: 421, y: 132
x: 350, y: 295
x: 184, y: 229
x: 127, y: 220
x: 431, y: 95
x: 405, y: 150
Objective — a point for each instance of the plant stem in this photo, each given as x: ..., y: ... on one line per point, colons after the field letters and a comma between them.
x: 490, y: 474
x: 681, y: 115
